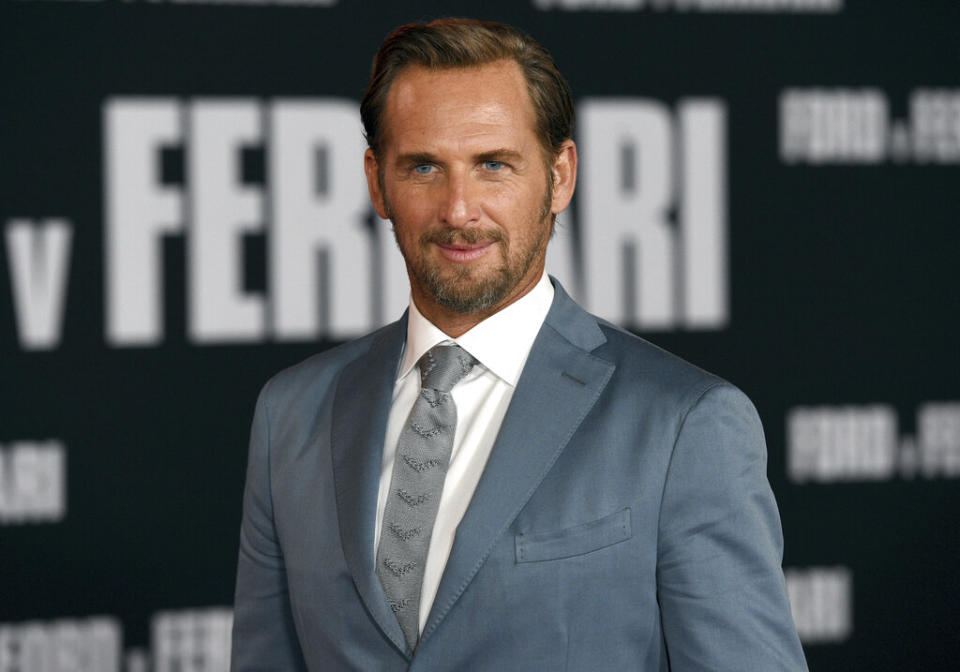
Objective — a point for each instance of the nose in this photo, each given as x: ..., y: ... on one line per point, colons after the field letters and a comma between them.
x: 461, y: 201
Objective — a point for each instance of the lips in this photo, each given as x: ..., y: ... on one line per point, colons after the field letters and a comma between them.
x: 463, y: 245
x: 462, y: 252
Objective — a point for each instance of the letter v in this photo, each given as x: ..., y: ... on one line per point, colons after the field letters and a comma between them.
x: 38, y: 256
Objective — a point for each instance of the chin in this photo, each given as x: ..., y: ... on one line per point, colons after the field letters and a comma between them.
x: 467, y: 293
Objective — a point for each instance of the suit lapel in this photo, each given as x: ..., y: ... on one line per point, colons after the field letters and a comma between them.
x: 357, y: 445
x: 560, y: 383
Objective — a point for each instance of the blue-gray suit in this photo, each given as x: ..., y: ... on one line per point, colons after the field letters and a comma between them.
x: 623, y: 521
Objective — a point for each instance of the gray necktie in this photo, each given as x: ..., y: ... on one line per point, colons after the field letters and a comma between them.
x: 419, y: 469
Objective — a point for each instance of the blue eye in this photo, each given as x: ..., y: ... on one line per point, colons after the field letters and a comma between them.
x: 423, y: 168
x: 493, y: 165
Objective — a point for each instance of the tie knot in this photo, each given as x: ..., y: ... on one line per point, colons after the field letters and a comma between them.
x: 443, y: 366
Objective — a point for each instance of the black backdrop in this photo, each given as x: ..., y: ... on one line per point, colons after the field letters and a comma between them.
x: 836, y: 158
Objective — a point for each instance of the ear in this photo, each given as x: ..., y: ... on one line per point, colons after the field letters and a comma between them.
x: 372, y: 169
x: 564, y: 173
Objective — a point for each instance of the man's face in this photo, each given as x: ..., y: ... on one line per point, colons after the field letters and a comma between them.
x: 462, y: 177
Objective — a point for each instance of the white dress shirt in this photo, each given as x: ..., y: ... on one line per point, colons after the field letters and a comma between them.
x: 501, y: 344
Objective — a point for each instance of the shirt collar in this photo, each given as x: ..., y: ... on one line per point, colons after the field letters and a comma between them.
x: 501, y: 343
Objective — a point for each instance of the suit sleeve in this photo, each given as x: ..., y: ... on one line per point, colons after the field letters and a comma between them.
x: 263, y: 631
x: 722, y: 595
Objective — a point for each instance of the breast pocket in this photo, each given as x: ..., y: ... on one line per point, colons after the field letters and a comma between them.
x: 572, y: 541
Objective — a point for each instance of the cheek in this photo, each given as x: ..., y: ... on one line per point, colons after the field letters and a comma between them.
x: 517, y: 210
x: 509, y: 201
x: 415, y: 207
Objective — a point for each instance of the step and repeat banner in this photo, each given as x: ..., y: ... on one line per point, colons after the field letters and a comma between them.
x: 768, y: 188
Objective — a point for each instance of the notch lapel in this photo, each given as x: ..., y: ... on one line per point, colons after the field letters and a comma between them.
x: 356, y: 439
x: 560, y: 383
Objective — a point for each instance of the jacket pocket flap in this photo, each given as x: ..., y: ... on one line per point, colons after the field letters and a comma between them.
x: 573, y: 541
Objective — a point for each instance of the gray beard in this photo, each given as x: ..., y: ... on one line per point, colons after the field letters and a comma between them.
x: 464, y: 297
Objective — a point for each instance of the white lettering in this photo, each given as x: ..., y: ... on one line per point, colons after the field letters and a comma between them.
x: 938, y: 436
x: 703, y: 213
x: 278, y: 3
x: 639, y: 267
x: 589, y: 4
x: 821, y: 599
x: 333, y: 269
x: 786, y: 6
x: 38, y: 257
x: 192, y: 641
x: 628, y: 244
x: 32, y: 482
x: 935, y: 120
x: 833, y: 126
x: 221, y: 211
x: 845, y: 443
x: 139, y: 212
x: 91, y: 645
x: 320, y: 247
x: 764, y: 6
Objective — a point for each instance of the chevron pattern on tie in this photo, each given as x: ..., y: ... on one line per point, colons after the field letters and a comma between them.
x: 419, y: 470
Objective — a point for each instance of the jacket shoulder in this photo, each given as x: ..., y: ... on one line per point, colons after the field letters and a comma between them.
x: 666, y: 376
x: 310, y: 378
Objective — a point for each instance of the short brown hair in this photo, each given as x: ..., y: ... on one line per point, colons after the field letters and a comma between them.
x: 461, y: 43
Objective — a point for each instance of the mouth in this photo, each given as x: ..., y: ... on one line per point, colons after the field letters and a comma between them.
x: 462, y: 246
x: 464, y: 252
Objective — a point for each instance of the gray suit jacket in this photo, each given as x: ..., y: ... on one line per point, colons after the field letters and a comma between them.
x: 623, y: 521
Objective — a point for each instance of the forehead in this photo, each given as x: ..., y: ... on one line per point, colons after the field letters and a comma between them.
x: 466, y: 102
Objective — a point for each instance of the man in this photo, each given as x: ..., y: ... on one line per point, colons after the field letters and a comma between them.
x: 499, y: 481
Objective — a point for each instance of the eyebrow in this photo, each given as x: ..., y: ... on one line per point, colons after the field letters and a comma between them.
x: 500, y: 154
x: 505, y: 155
x: 415, y: 158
